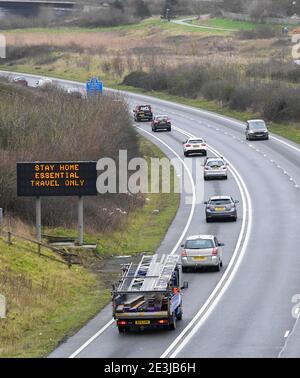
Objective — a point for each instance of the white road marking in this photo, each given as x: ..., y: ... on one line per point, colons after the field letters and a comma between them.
x: 89, y: 341
x: 168, y: 102
x: 181, y: 106
x: 193, y: 188
x: 191, y: 329
x: 286, y: 334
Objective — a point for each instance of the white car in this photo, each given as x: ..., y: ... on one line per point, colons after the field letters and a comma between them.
x: 44, y: 83
x: 201, y: 250
x: 194, y: 146
x: 215, y: 167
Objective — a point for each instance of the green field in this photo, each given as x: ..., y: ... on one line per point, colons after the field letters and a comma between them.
x: 226, y: 24
x: 145, y: 25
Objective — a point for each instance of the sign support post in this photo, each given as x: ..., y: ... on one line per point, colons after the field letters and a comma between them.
x: 80, y: 220
x: 38, y: 214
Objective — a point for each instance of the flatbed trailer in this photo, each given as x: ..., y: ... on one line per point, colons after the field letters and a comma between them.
x: 148, y: 295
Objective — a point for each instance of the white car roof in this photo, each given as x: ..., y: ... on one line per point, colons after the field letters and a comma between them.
x: 220, y: 197
x: 195, y: 138
x: 195, y: 237
x: 161, y: 115
x: 255, y: 120
x: 215, y: 158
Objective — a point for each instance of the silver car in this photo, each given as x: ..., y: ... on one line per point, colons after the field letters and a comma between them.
x: 201, y: 251
x: 215, y: 167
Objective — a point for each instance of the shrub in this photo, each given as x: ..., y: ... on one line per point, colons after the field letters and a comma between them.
x: 261, y: 32
x: 51, y: 125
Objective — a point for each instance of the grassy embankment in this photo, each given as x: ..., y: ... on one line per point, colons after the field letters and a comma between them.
x: 289, y: 130
x: 47, y: 302
x: 144, y: 228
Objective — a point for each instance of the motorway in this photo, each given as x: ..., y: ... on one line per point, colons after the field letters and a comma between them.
x: 246, y: 309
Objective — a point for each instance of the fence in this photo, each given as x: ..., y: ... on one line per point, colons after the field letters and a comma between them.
x: 66, y: 256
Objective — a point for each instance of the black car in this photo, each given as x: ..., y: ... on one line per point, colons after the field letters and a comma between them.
x: 143, y: 113
x: 221, y: 207
x: 161, y: 122
x: 256, y: 129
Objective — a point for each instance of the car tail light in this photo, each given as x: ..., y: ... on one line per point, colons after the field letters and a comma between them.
x: 188, y: 145
x: 122, y: 322
x: 214, y: 252
x: 210, y: 207
x: 203, y: 144
x: 206, y: 168
x: 163, y: 321
x: 183, y: 253
x: 224, y: 167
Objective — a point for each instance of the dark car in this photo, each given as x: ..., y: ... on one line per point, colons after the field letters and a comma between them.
x: 161, y: 122
x: 143, y: 113
x: 221, y: 207
x: 21, y: 80
x: 256, y: 129
x: 75, y: 93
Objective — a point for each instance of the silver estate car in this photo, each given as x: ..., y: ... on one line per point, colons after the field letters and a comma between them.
x: 201, y: 251
x: 215, y: 167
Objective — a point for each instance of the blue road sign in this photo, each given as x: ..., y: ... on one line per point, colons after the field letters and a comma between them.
x: 94, y: 87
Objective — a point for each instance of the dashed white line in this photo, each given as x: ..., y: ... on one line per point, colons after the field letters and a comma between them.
x: 286, y: 334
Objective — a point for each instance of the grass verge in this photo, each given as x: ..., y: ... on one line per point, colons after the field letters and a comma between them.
x: 47, y: 302
x: 145, y: 228
x: 289, y: 131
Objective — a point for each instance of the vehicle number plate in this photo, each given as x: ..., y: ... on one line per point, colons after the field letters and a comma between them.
x: 196, y: 146
x: 220, y: 208
x: 142, y: 322
x: 199, y: 258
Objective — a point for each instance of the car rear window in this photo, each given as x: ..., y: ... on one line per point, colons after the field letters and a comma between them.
x: 195, y: 141
x: 213, y: 163
x: 143, y: 108
x: 162, y: 118
x: 199, y: 244
x: 220, y: 202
